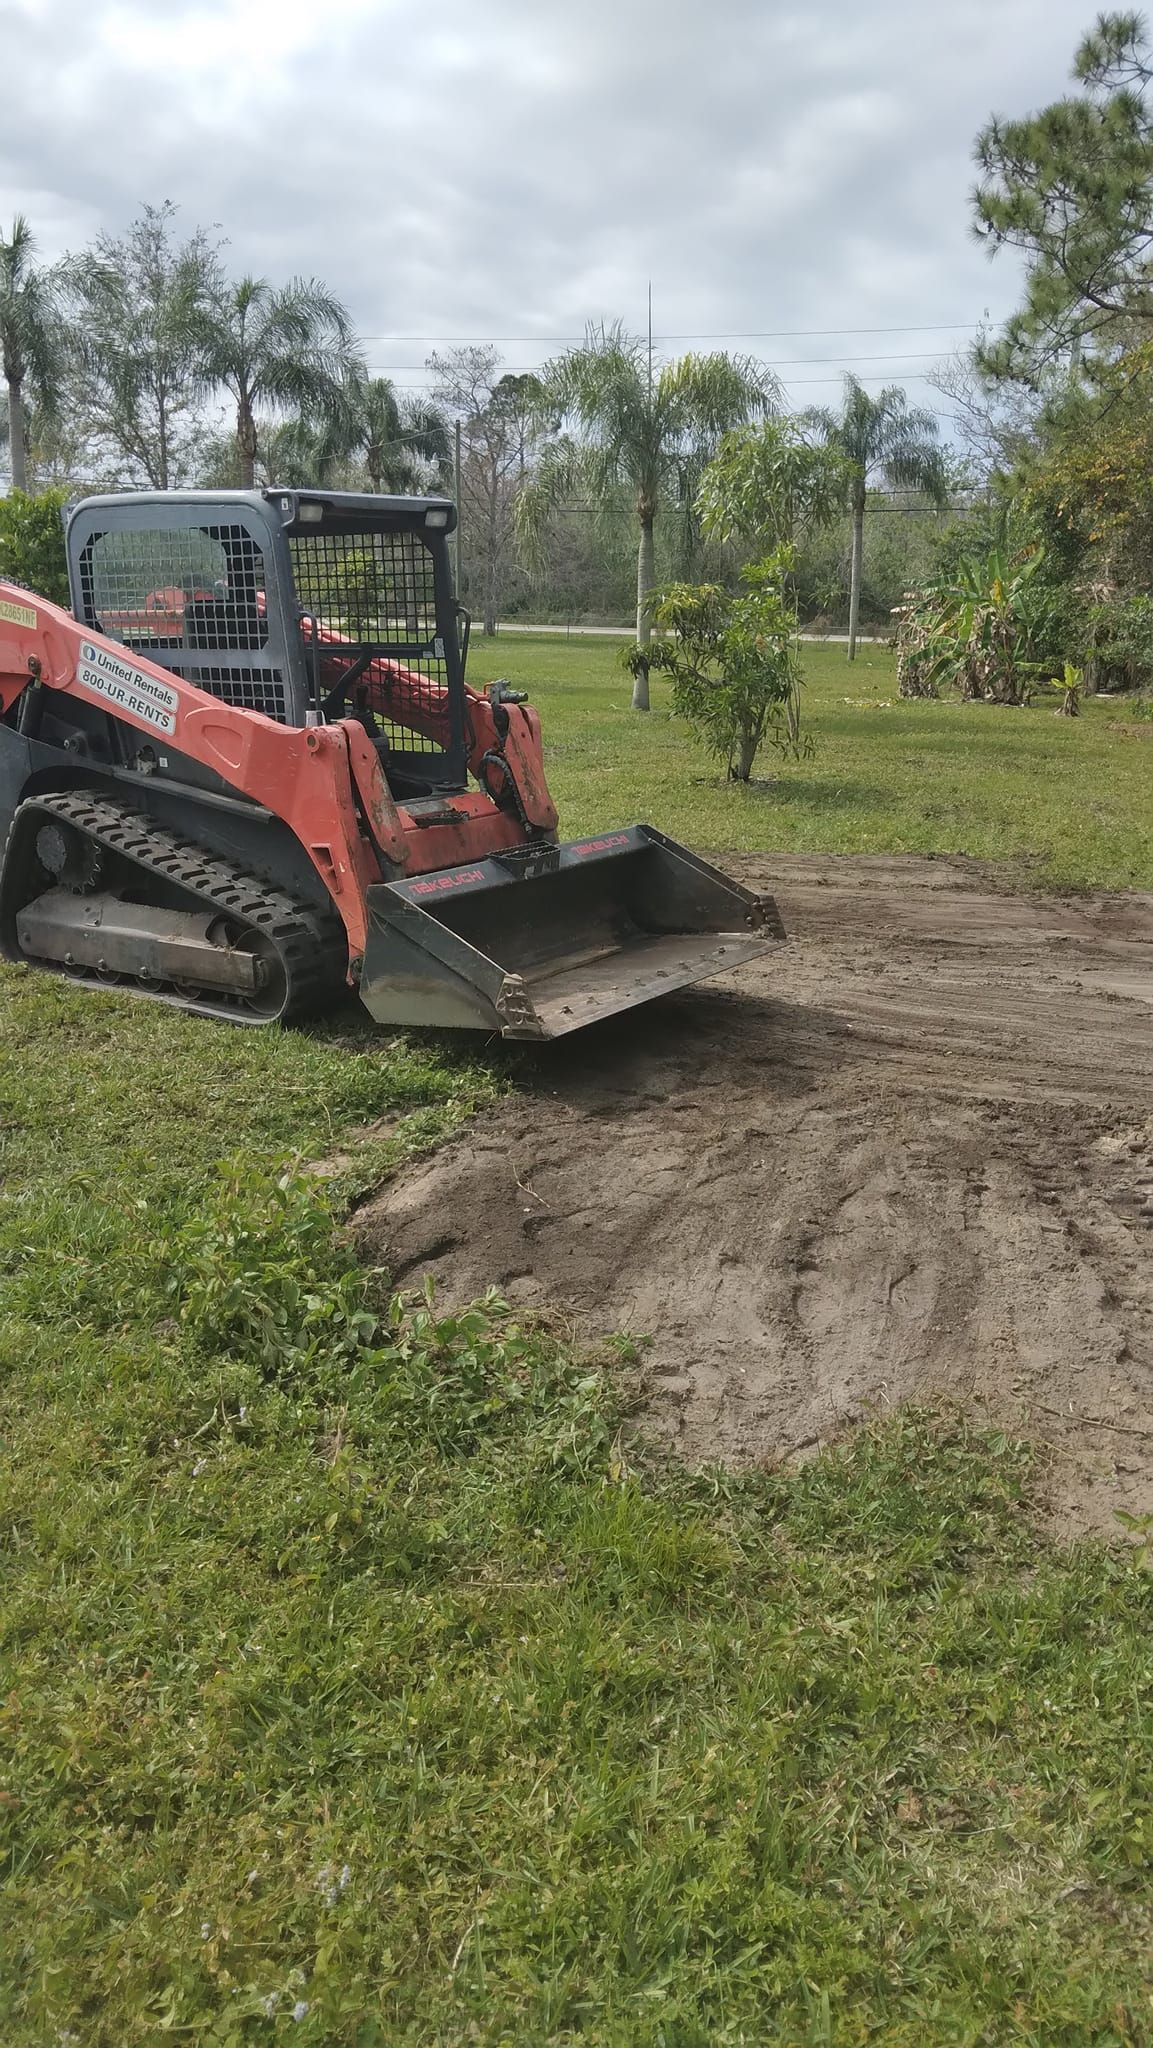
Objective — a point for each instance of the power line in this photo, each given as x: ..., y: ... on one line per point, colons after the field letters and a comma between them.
x: 793, y: 383
x: 737, y: 334
x: 912, y: 376
x: 770, y: 362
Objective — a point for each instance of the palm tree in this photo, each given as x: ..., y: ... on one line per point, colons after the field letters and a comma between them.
x: 293, y: 347
x: 881, y: 440
x: 393, y: 440
x: 292, y: 452
x: 30, y: 350
x: 639, y: 429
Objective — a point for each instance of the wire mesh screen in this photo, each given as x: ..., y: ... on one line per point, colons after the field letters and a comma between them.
x: 177, y: 595
x: 250, y: 689
x: 379, y: 588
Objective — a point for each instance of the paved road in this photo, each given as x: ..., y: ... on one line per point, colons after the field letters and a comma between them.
x: 625, y: 633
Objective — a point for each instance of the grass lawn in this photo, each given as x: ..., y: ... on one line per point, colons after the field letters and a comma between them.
x: 353, y: 1688
x: 1068, y: 803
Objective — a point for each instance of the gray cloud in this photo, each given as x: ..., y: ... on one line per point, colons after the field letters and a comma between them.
x: 516, y: 168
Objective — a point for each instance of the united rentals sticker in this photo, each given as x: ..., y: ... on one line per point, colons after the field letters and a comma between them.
x: 18, y: 614
x: 128, y: 688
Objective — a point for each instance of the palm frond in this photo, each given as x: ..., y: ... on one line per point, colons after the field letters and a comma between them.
x: 291, y: 348
x: 648, y: 429
x: 884, y: 437
x: 32, y: 336
x: 553, y: 479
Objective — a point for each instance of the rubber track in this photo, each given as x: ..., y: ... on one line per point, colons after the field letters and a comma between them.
x: 310, y: 943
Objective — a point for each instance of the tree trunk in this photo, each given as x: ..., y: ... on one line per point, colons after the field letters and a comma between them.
x: 246, y: 442
x: 855, y: 572
x: 646, y: 577
x: 162, y: 444
x: 16, y: 436
x: 492, y: 565
x: 747, y: 754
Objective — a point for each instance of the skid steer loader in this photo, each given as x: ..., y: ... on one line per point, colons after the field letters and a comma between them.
x: 246, y: 772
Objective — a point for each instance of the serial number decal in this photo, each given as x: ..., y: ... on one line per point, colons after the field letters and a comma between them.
x: 437, y: 884
x: 604, y: 845
x: 18, y: 614
x: 127, y: 687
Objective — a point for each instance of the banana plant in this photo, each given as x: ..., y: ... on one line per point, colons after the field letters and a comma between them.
x: 986, y: 631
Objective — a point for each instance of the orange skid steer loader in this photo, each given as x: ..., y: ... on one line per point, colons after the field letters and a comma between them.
x: 246, y: 772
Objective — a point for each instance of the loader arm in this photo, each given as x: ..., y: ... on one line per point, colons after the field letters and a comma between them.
x: 504, y: 742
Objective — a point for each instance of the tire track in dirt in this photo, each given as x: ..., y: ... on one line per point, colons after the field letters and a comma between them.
x: 907, y: 1158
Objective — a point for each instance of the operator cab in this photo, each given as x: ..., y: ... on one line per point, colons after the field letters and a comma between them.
x: 306, y: 606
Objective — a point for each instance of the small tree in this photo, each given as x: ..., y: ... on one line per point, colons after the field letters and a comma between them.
x: 995, y: 423
x: 882, y: 439
x: 733, y: 662
x: 31, y: 352
x: 767, y: 486
x: 1092, y: 482
x: 59, y: 450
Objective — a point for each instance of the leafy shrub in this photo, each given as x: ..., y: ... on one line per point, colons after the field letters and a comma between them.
x: 32, y: 543
x: 769, y: 484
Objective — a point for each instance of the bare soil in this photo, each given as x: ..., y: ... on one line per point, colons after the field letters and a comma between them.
x: 907, y: 1157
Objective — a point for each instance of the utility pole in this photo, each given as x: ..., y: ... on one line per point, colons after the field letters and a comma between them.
x: 456, y: 562
x: 650, y: 337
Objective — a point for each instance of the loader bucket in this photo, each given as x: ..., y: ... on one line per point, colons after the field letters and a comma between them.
x: 543, y: 940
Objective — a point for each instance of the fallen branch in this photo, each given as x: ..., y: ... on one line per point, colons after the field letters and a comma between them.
x: 1094, y: 1421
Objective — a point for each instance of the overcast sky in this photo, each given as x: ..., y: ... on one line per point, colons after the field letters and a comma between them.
x: 514, y: 168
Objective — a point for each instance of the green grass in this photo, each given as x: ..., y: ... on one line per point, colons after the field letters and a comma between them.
x: 351, y: 1667
x: 1066, y: 803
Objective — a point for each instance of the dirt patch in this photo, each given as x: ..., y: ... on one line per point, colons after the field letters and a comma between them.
x: 908, y: 1157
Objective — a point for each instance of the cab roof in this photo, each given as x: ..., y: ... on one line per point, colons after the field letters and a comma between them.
x: 354, y: 510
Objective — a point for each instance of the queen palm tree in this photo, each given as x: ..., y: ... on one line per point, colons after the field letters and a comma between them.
x: 637, y: 428
x: 30, y: 348
x: 881, y: 440
x: 393, y: 439
x: 290, y: 348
